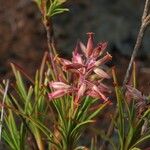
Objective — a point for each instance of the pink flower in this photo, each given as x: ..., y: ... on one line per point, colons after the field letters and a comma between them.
x: 85, y: 73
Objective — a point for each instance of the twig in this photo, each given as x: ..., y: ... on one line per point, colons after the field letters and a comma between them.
x: 145, y: 22
x: 51, y: 43
x: 47, y: 21
x: 50, y: 34
x: 2, y: 108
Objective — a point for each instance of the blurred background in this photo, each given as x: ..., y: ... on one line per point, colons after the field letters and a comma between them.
x: 23, y: 37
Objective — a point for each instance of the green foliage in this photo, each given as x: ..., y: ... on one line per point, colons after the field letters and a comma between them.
x: 50, y: 8
x: 128, y: 124
x: 13, y: 135
x: 30, y: 115
x: 55, y: 7
x: 59, y: 123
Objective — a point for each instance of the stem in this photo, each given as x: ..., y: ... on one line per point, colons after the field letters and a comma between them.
x: 144, y: 24
x: 134, y: 54
x: 50, y: 35
x: 51, y: 42
x: 47, y: 21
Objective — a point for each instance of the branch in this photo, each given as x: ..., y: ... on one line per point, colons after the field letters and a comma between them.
x: 50, y: 35
x: 144, y: 24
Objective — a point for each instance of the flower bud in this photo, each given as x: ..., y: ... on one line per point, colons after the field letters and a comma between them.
x: 90, y: 44
x: 59, y: 85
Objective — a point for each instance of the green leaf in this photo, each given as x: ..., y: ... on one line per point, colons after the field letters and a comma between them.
x: 28, y: 105
x: 81, y: 111
x: 11, y: 134
x: 121, y: 119
x: 56, y: 8
x: 80, y: 126
x: 95, y: 113
x: 142, y: 139
x: 135, y: 148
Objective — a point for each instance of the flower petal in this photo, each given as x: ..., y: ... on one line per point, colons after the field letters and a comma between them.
x: 99, y: 50
x: 93, y: 94
x: 97, y: 90
x: 77, y: 58
x: 90, y: 64
x: 65, y: 61
x: 57, y: 94
x: 83, y: 48
x: 101, y: 73
x: 59, y: 85
x: 103, y: 47
x: 103, y: 60
x: 81, y: 92
x: 73, y: 66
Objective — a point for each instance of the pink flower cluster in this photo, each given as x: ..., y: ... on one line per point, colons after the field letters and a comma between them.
x: 86, y: 72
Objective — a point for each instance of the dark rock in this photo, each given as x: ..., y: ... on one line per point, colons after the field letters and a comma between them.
x: 114, y: 21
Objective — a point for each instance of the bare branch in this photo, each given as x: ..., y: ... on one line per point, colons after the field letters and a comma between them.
x: 146, y: 9
x: 50, y: 35
x: 144, y: 24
